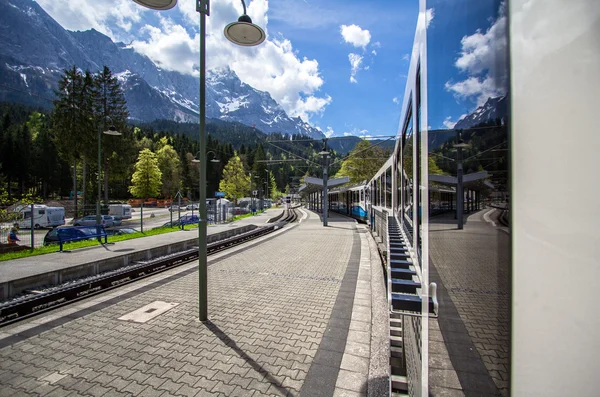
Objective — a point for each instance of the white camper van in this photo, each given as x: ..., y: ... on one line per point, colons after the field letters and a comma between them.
x: 43, y: 216
x: 120, y: 211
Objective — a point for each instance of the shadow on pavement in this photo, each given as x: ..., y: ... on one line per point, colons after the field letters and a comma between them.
x: 212, y: 327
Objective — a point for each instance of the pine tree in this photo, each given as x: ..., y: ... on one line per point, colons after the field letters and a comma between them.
x: 71, y: 118
x: 260, y: 167
x: 110, y: 109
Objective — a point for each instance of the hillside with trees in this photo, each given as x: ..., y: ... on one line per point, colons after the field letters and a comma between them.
x: 50, y: 155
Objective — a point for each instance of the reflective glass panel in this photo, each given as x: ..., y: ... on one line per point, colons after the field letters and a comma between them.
x: 469, y: 252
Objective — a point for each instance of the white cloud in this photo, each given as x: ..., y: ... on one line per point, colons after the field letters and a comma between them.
x: 374, y: 52
x: 86, y: 14
x: 429, y: 14
x: 396, y: 100
x: 274, y: 66
x: 355, y: 62
x: 448, y: 123
x: 406, y: 57
x: 483, y: 58
x: 329, y: 132
x: 169, y: 46
x: 357, y: 132
x: 353, y: 34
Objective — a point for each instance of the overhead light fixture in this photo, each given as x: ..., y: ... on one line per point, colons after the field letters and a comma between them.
x: 157, y: 4
x: 244, y: 32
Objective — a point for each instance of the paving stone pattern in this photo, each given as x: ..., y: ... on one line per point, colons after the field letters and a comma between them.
x: 473, y: 264
x: 268, y: 310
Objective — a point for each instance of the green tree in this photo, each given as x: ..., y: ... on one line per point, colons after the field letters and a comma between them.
x: 46, y: 166
x: 362, y: 162
x: 170, y: 167
x: 110, y: 110
x: 235, y: 182
x: 259, y: 168
x: 146, y: 180
x: 274, y: 193
x: 71, y: 118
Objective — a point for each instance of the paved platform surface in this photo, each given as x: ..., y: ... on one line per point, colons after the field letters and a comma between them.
x: 290, y: 314
x: 27, y: 267
x: 471, y: 336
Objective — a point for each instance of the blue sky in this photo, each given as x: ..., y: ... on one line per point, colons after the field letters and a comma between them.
x: 466, y: 55
x: 341, y: 65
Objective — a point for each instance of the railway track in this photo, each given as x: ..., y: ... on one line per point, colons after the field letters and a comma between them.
x: 40, y: 301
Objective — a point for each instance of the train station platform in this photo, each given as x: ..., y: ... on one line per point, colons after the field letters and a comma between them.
x: 51, y: 269
x: 301, y: 311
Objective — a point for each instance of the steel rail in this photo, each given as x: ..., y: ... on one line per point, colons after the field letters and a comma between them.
x: 18, y: 310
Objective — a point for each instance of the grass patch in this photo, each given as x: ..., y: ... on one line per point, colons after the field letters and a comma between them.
x: 49, y: 249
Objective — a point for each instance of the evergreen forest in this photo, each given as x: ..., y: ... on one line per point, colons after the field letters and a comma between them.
x: 87, y: 134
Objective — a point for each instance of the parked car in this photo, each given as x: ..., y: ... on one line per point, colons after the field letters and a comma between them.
x: 90, y: 220
x: 192, y: 207
x: 117, y: 221
x: 118, y: 232
x: 68, y: 232
x: 184, y: 220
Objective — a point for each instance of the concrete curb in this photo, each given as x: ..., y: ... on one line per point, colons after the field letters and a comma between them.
x: 11, y: 288
x: 379, y: 364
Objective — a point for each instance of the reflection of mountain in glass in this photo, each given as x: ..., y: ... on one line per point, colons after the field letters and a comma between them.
x: 494, y: 111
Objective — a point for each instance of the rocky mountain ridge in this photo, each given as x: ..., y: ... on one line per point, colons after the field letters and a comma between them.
x: 36, y: 50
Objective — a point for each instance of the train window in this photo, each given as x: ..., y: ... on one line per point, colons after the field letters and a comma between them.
x: 468, y: 162
x: 388, y: 188
x: 407, y: 176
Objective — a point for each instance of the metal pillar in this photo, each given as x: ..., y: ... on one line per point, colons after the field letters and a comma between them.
x: 460, y: 199
x: 203, y: 7
x: 98, y: 215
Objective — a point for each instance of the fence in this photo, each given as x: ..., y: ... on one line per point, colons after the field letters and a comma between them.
x: 143, y: 219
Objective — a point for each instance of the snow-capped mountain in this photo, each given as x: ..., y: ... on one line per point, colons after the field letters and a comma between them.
x: 492, y: 110
x: 36, y: 49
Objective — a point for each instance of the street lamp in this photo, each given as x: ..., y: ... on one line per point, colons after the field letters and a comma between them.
x: 111, y: 131
x: 196, y: 160
x: 245, y: 33
x: 325, y: 155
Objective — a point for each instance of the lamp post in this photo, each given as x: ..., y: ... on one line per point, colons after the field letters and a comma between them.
x: 325, y: 155
x: 459, y: 146
x: 267, y: 184
x: 195, y: 160
x: 111, y: 131
x: 244, y: 33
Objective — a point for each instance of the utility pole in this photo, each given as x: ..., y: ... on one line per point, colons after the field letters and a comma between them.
x: 325, y: 155
x: 459, y: 146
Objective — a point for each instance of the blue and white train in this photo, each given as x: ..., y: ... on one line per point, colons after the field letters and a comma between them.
x: 487, y: 116
x: 350, y: 201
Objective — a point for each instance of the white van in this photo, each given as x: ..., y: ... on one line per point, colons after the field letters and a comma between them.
x: 43, y: 216
x: 120, y: 211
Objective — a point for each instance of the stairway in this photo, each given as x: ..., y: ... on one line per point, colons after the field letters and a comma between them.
x: 404, y: 295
